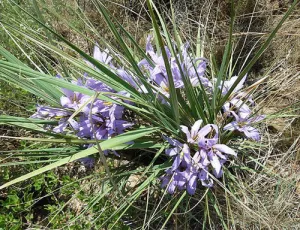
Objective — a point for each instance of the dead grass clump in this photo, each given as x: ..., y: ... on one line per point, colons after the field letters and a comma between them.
x: 273, y: 195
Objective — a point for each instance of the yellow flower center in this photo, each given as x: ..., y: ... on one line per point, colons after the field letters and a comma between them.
x: 107, y: 103
x: 241, y: 124
x: 195, y: 137
x: 165, y: 88
x: 74, y: 99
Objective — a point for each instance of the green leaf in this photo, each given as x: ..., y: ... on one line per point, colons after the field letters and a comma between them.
x: 9, y: 57
x: 52, y: 92
x: 6, y: 118
x: 173, y: 95
x: 174, y: 208
x: 105, y: 145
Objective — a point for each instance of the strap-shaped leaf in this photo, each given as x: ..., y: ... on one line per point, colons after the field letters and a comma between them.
x: 107, y: 144
x: 173, y: 95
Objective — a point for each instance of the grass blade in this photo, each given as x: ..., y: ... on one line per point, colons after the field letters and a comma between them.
x: 107, y: 144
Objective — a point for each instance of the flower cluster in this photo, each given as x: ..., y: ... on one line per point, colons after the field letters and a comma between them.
x: 202, y: 156
x: 102, y: 120
x: 243, y: 118
x: 95, y: 119
x: 190, y: 165
x: 192, y: 69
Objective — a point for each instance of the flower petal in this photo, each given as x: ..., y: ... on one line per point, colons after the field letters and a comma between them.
x: 195, y: 128
x: 165, y: 181
x: 218, y: 174
x: 191, y: 186
x: 231, y: 126
x: 186, y: 154
x: 257, y: 119
x: 97, y: 54
x: 204, y: 131
x: 225, y: 149
x: 215, y: 162
x: 186, y: 131
x: 74, y: 124
x: 172, y: 141
x: 172, y: 151
x: 207, y: 183
x: 176, y: 162
x: 171, y: 187
x: 196, y: 158
x: 65, y: 101
x: 252, y: 133
x: 203, y: 175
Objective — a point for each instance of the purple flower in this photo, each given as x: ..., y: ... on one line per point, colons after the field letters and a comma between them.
x: 243, y: 125
x: 203, y: 174
x: 101, y: 56
x: 45, y: 112
x: 188, y: 168
x: 64, y: 123
x: 183, y: 173
x: 158, y: 73
x: 217, y: 159
x: 133, y: 81
x: 116, y: 126
x: 182, y: 159
x: 97, y: 107
x: 97, y: 85
x: 163, y: 85
x: 238, y: 107
x: 157, y: 59
x: 180, y: 180
x: 73, y: 100
x: 98, y: 120
x: 196, y: 167
x: 106, y: 123
x: 228, y: 84
x: 173, y: 180
x: 209, y: 136
x: 49, y: 112
x: 194, y: 69
x: 211, y: 151
x: 192, y: 173
x: 177, y: 146
x: 97, y: 131
x: 113, y: 111
x: 193, y: 136
x: 88, y: 161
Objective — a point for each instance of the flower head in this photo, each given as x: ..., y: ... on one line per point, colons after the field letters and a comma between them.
x: 73, y: 100
x: 243, y: 125
x: 189, y: 166
x: 181, y: 65
x: 238, y: 107
x: 49, y: 112
x: 102, y: 57
x: 194, y: 135
x: 229, y: 83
